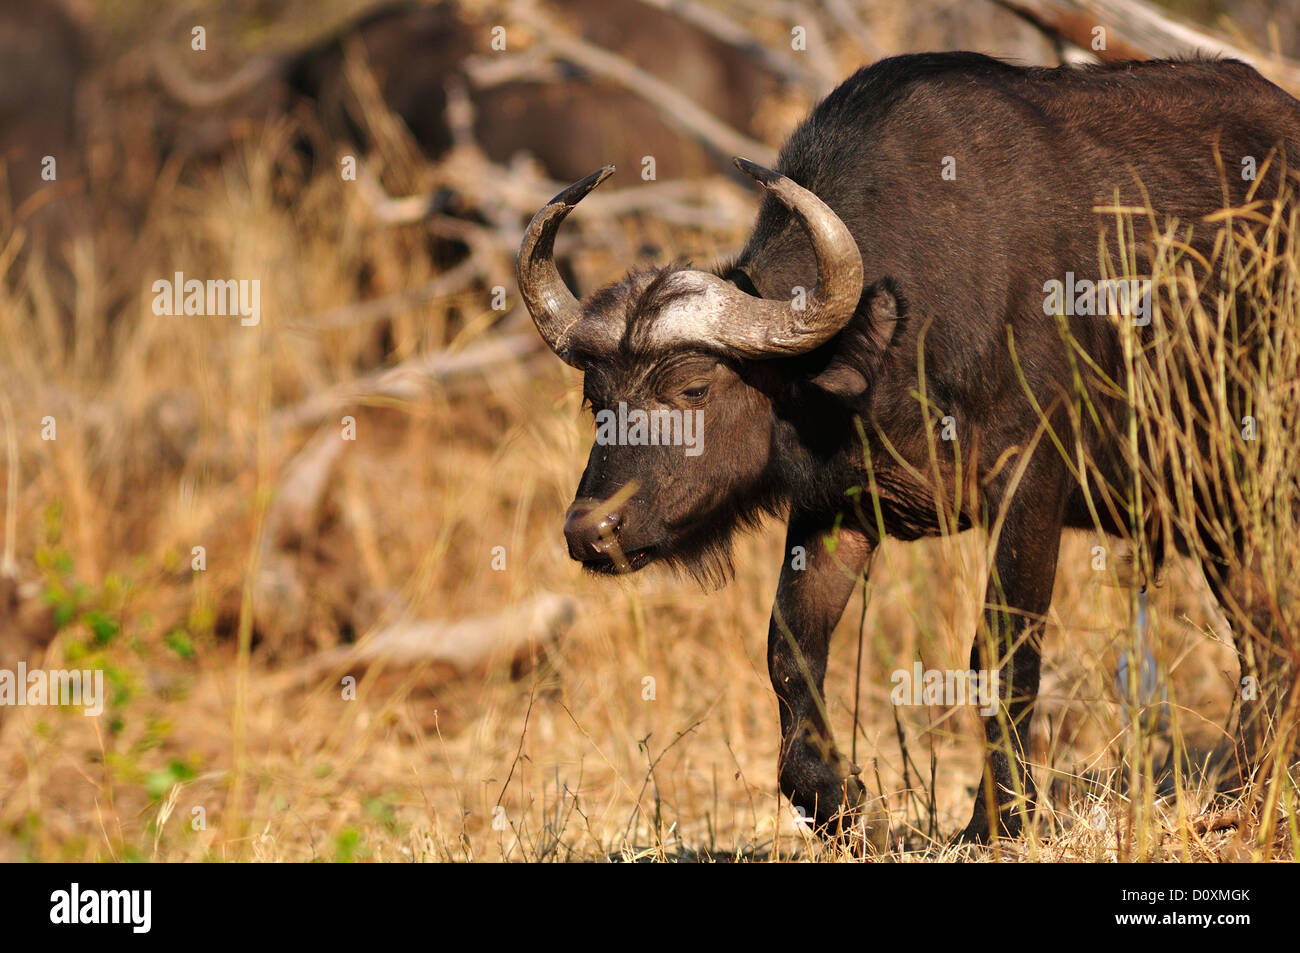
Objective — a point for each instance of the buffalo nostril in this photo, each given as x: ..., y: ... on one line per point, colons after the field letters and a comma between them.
x: 602, y: 533
x: 575, y: 521
x: 590, y: 533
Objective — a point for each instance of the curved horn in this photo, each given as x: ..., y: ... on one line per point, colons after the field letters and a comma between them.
x: 722, y: 315
x: 554, y: 309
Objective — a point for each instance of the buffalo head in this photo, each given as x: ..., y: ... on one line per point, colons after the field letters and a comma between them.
x: 678, y: 369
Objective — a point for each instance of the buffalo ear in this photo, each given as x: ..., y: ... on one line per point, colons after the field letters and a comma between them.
x: 841, y: 380
x: 864, y: 342
x: 885, y: 308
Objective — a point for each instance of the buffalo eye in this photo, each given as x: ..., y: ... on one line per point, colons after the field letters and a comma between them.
x: 696, y: 392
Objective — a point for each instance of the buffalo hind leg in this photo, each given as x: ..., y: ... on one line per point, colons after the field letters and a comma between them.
x: 1010, y: 642
x: 1267, y: 713
x: 816, y: 582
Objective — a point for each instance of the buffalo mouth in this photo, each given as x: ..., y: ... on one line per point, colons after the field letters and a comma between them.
x: 607, y: 565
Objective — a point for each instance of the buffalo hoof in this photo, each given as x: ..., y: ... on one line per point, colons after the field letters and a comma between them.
x: 858, y: 822
x: 972, y: 833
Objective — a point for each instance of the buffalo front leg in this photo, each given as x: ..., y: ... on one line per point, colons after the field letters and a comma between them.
x: 818, y: 574
x: 1009, y: 647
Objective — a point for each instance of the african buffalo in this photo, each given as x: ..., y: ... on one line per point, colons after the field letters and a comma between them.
x: 897, y: 274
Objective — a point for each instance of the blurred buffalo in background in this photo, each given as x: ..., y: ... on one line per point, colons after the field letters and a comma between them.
x: 422, y: 55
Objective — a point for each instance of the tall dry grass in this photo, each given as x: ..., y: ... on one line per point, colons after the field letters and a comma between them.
x: 1212, y: 444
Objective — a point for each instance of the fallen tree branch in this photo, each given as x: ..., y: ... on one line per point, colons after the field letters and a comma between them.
x: 279, y: 49
x: 534, y: 65
x: 727, y: 30
x: 804, y: 15
x: 292, y: 514
x: 208, y: 94
x: 676, y: 107
x: 846, y: 18
x: 715, y: 203
x: 379, y: 309
x: 409, y: 380
x: 1138, y: 30
x: 464, y: 645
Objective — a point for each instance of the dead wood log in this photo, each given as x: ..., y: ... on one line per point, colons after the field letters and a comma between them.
x: 847, y: 19
x: 409, y: 380
x: 802, y: 14
x: 292, y: 514
x: 714, y: 203
x: 1136, y: 29
x: 676, y: 107
x: 463, y: 645
x: 449, y: 282
x: 200, y: 94
x: 730, y: 31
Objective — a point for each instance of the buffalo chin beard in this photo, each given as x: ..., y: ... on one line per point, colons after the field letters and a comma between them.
x: 709, y: 563
x: 703, y: 551
x: 622, y: 563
